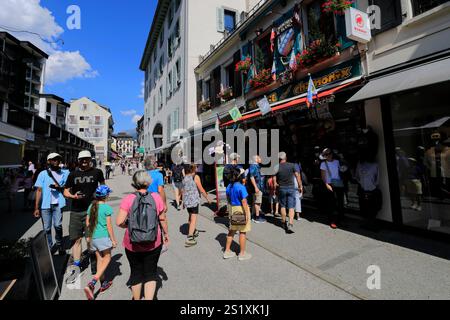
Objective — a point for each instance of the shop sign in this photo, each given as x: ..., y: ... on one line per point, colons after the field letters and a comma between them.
x: 357, y: 25
x: 264, y: 106
x: 339, y: 73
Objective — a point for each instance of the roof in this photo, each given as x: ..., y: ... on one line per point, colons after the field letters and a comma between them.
x: 158, y: 22
x: 24, y: 44
x: 56, y: 98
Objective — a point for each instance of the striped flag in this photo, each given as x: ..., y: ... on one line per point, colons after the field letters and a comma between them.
x: 312, y: 91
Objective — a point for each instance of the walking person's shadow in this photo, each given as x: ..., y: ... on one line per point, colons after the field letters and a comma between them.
x: 162, y: 276
x: 222, y: 239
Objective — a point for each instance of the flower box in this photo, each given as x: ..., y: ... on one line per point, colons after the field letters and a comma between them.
x: 204, y: 105
x: 262, y: 79
x: 336, y: 6
x: 244, y: 65
x: 226, y: 94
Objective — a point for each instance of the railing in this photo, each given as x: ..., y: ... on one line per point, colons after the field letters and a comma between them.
x: 227, y: 35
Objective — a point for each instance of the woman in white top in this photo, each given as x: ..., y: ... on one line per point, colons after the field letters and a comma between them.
x: 330, y: 170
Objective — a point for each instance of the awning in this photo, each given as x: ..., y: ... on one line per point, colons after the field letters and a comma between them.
x: 416, y: 77
x: 295, y: 102
x: 432, y: 125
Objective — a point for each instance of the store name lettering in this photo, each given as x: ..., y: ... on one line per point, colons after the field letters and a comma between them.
x: 330, y: 78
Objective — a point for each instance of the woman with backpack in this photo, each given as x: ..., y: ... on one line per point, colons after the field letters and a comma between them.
x: 240, y: 215
x: 100, y: 236
x: 192, y: 187
x: 143, y: 255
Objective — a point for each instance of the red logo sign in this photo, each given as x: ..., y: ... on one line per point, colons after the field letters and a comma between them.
x: 359, y: 20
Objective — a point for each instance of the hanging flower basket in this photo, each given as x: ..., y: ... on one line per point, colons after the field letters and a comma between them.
x: 336, y: 6
x: 316, y: 52
x: 244, y: 65
x: 262, y: 79
x: 226, y: 94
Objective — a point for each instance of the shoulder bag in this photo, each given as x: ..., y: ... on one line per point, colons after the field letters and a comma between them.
x: 336, y: 183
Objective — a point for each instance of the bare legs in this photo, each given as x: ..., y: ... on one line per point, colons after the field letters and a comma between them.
x: 291, y: 215
x: 149, y: 290
x: 103, y: 260
x: 192, y: 223
x: 242, y: 241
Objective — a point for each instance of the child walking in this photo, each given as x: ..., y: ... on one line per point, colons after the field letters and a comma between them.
x: 101, y: 238
x: 192, y: 187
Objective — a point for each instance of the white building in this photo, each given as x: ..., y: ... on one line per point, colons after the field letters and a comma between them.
x: 53, y: 109
x: 125, y: 145
x: 181, y: 31
x: 92, y: 122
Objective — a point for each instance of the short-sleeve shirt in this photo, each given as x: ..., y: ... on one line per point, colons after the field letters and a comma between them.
x: 236, y: 192
x: 85, y: 182
x: 333, y: 167
x: 255, y: 171
x: 48, y: 195
x: 158, y: 181
x: 285, y: 173
x: 101, y: 229
x: 126, y: 205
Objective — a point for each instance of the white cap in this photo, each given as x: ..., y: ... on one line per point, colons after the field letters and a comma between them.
x: 84, y: 154
x: 53, y: 156
x: 234, y: 156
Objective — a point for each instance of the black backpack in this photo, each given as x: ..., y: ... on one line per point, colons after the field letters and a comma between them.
x: 143, y: 220
x: 178, y: 173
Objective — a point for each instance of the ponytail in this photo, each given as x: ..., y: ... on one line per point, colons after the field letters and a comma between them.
x: 93, y: 217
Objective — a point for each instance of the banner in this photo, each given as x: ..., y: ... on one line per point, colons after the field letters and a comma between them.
x: 235, y: 114
x: 264, y: 106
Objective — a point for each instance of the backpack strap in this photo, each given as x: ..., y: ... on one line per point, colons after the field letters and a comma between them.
x: 50, y: 174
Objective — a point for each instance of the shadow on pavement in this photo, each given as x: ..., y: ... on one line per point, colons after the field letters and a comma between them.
x: 162, y: 276
x: 113, y: 269
x: 222, y: 239
x: 184, y: 229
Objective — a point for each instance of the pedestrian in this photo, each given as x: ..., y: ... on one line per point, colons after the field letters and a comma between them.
x: 240, y: 216
x: 331, y: 176
x: 100, y: 236
x: 255, y: 187
x: 50, y: 189
x: 28, y: 186
x: 298, y: 194
x: 273, y: 196
x: 178, y: 176
x: 143, y: 257
x: 228, y: 169
x: 157, y: 185
x: 113, y: 168
x: 107, y: 170
x: 286, y: 172
x: 192, y: 188
x: 123, y: 168
x: 31, y: 167
x: 80, y: 187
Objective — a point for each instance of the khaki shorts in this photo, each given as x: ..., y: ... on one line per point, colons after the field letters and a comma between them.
x: 257, y: 198
x: 246, y: 228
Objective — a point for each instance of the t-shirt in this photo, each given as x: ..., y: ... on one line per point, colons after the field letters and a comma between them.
x: 158, y: 180
x: 126, y: 205
x: 85, y: 182
x: 54, y: 193
x: 101, y: 229
x: 255, y: 172
x: 236, y: 192
x: 285, y: 173
x: 44, y: 181
x: 177, y: 172
x: 334, y: 167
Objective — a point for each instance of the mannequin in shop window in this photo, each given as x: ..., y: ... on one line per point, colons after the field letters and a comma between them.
x: 437, y: 162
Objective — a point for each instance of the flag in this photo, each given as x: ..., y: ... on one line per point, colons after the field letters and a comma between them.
x: 251, y: 74
x: 235, y: 114
x: 217, y: 122
x: 312, y: 91
x: 272, y: 40
x: 293, y: 62
x: 274, y: 70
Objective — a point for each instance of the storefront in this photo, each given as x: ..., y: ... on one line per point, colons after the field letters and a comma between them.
x: 12, y: 144
x: 416, y: 121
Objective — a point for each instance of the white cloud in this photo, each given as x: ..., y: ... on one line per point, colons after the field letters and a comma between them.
x: 136, y: 118
x: 142, y: 94
x: 29, y: 15
x: 128, y: 113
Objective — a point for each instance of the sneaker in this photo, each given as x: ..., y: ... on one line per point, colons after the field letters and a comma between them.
x: 298, y: 218
x: 190, y: 241
x: 73, y: 276
x: 89, y: 291
x: 333, y: 226
x: 245, y: 256
x: 196, y: 233
x: 289, y: 228
x: 105, y: 286
x: 229, y: 255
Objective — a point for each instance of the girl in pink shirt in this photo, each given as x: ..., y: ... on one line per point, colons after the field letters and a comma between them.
x: 143, y: 258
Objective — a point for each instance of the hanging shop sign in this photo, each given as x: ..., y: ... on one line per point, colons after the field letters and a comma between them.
x: 264, y: 106
x: 339, y: 73
x: 357, y: 25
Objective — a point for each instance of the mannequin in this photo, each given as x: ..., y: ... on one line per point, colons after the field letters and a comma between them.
x: 437, y: 161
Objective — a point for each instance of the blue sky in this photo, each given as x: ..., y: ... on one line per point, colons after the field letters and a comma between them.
x: 112, y: 39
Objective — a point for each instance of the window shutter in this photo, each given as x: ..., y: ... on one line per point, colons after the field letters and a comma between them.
x: 220, y: 20
x: 237, y: 86
x: 169, y: 128
x: 174, y: 78
x: 216, y: 87
x: 341, y: 32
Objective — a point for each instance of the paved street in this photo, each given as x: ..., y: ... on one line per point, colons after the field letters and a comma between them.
x: 314, y: 263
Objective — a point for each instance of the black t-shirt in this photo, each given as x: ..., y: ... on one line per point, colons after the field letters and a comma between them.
x: 285, y: 175
x: 85, y: 182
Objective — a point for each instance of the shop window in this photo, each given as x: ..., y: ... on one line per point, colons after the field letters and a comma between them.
x: 263, y: 54
x: 421, y: 6
x: 321, y: 25
x: 229, y: 76
x: 422, y: 152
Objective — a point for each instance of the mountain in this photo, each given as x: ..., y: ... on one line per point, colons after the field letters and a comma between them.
x: 131, y: 132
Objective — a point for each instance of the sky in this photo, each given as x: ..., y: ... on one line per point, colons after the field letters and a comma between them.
x: 100, y: 60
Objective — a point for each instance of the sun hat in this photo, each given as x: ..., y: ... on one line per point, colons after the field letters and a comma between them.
x: 52, y: 156
x: 84, y: 154
x: 102, y: 191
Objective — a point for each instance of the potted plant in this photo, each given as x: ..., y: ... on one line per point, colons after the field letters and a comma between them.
x: 316, y: 52
x: 204, y: 105
x: 336, y: 6
x: 226, y: 94
x: 262, y: 79
x: 244, y: 65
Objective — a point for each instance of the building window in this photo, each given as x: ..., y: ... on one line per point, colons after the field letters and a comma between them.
x: 169, y: 128
x: 161, y: 65
x: 160, y: 97
x: 421, y: 6
x: 177, y: 30
x: 155, y: 54
x: 81, y: 118
x: 229, y: 75
x: 48, y: 118
x: 178, y: 72
x: 170, y: 44
x: 169, y: 85
x: 206, y: 90
x: 321, y: 24
x: 84, y: 107
x: 170, y: 15
x: 422, y: 155
x: 391, y: 14
x: 230, y: 20
x: 263, y: 54
x: 49, y: 107
x: 81, y: 129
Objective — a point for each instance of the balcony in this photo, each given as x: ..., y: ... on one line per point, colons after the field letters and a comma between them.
x: 35, y: 65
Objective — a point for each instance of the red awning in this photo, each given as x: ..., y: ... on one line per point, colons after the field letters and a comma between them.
x: 291, y: 103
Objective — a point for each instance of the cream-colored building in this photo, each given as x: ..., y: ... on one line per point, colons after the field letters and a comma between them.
x: 92, y: 122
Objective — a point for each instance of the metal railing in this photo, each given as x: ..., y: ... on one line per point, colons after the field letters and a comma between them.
x: 227, y: 35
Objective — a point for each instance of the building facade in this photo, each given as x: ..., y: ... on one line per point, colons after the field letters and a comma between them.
x: 125, y: 145
x: 175, y: 43
x: 287, y: 41
x: 53, y: 109
x: 24, y: 134
x: 91, y: 121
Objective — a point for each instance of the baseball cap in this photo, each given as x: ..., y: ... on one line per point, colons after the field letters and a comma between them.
x: 234, y: 156
x: 84, y: 154
x: 282, y: 156
x: 52, y: 156
x: 102, y: 191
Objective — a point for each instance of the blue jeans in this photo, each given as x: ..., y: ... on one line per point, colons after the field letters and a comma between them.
x: 287, y: 197
x: 54, y: 215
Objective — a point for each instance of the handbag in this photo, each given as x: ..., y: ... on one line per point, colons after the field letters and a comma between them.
x: 337, y: 183
x: 238, y: 216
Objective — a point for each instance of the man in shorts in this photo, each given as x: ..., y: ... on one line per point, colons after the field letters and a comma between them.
x: 80, y: 187
x: 177, y: 177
